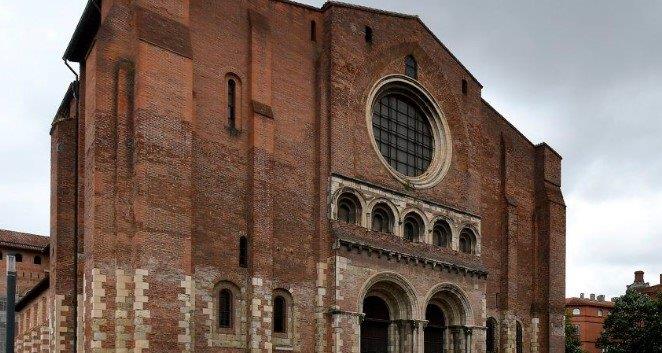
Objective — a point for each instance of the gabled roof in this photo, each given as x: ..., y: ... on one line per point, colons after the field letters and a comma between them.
x: 330, y: 4
x: 89, y: 23
x: 10, y: 239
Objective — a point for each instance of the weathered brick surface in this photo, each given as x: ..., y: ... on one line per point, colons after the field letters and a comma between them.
x: 167, y: 188
x: 32, y: 327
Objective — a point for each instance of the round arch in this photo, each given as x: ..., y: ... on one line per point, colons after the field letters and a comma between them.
x: 396, y: 212
x: 397, y: 217
x: 437, y: 218
x: 469, y: 231
x: 453, y: 301
x: 417, y: 211
x: 470, y: 226
x: 395, y: 291
x: 445, y: 222
x: 357, y: 195
x: 420, y: 218
x: 348, y: 190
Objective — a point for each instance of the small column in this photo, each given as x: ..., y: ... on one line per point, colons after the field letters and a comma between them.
x: 447, y: 340
x: 420, y: 336
x: 457, y: 344
x: 468, y: 334
x: 406, y: 335
x: 394, y: 337
x: 402, y: 336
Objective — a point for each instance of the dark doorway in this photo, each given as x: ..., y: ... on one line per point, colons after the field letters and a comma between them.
x: 490, y: 339
x: 434, y: 331
x: 374, y: 329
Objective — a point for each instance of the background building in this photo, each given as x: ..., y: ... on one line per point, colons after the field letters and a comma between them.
x: 32, y: 266
x: 265, y: 176
x: 588, y: 315
x: 644, y: 287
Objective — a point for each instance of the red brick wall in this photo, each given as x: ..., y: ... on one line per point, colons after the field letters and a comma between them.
x: 167, y: 188
x: 27, y: 272
x: 590, y: 325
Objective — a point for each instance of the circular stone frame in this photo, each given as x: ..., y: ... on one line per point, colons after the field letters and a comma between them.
x: 443, y: 145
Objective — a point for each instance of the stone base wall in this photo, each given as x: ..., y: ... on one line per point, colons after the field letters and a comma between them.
x: 33, y: 334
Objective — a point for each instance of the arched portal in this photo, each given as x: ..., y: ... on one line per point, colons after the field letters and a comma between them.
x: 375, y: 326
x: 387, y: 308
x: 434, y: 331
x: 449, y: 313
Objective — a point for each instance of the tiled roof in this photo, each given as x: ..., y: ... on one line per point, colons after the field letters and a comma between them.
x: 652, y: 290
x: 17, y: 240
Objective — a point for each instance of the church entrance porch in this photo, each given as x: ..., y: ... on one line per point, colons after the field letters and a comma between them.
x: 390, y: 321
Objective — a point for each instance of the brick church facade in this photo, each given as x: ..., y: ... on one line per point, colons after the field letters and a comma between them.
x: 265, y: 176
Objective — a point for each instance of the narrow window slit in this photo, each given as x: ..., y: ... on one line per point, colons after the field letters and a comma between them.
x: 232, y: 104
x: 368, y: 34
x: 243, y: 252
x: 313, y: 31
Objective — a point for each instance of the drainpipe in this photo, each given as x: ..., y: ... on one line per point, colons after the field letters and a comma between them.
x: 75, y: 260
x: 11, y: 303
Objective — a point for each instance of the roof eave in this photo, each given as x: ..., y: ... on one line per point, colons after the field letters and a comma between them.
x: 63, y: 110
x: 33, y: 293
x: 85, y: 33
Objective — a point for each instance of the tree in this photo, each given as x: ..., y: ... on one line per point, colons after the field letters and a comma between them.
x: 635, y: 325
x: 572, y: 342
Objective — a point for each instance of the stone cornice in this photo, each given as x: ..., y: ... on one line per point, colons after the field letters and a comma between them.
x: 416, y: 260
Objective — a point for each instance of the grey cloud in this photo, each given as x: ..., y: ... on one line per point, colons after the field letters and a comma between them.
x: 583, y: 76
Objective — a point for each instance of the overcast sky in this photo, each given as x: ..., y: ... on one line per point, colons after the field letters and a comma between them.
x: 583, y: 76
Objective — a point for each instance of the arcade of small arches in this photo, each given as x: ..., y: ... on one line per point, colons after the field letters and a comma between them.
x: 393, y: 320
x: 411, y: 224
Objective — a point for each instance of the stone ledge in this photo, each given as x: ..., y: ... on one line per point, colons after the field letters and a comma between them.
x: 443, y: 260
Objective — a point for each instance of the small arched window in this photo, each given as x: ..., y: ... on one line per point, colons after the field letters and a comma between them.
x: 368, y: 34
x: 490, y: 339
x: 232, y: 103
x: 411, y: 67
x: 280, y: 314
x: 467, y: 241
x: 349, y: 208
x: 600, y: 312
x: 243, y: 252
x: 225, y: 308
x: 18, y: 257
x: 519, y: 340
x: 441, y: 234
x: 37, y: 260
x: 382, y: 219
x: 413, y: 227
x: 576, y: 312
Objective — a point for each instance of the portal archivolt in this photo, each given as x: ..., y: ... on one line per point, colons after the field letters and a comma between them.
x: 390, y: 322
